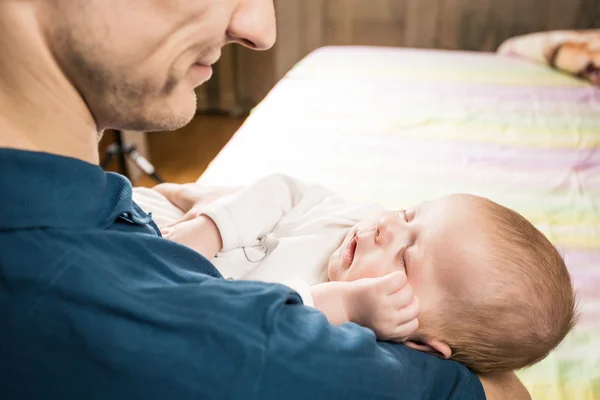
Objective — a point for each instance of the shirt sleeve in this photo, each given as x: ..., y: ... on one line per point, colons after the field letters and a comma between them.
x: 303, y: 289
x: 111, y: 337
x: 247, y: 215
x: 305, y: 351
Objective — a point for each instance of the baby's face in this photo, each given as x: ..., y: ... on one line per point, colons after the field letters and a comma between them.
x: 439, y: 244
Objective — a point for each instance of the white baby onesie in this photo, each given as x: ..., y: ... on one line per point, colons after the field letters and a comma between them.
x: 278, y: 229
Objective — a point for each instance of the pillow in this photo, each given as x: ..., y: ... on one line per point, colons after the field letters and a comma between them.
x: 573, y: 52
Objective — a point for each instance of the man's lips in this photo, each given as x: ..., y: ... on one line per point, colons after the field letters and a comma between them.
x: 200, y: 73
x: 202, y: 69
x: 209, y: 60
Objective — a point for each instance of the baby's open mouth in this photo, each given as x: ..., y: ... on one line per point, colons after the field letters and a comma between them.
x: 350, y: 251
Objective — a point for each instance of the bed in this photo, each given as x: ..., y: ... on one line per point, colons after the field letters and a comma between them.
x: 399, y: 126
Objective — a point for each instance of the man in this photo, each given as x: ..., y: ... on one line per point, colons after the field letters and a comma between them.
x: 94, y: 303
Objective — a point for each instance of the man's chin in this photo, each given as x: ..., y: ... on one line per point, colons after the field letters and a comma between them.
x: 160, y: 122
x: 172, y: 114
x: 182, y: 113
x: 173, y: 123
x: 163, y: 125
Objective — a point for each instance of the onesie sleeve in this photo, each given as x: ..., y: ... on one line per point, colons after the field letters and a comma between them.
x: 249, y: 214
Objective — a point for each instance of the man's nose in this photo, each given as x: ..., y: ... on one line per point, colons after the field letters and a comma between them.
x: 253, y: 24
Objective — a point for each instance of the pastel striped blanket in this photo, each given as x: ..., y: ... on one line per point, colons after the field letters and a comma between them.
x: 400, y: 126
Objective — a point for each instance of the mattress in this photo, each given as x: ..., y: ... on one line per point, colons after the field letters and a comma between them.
x: 400, y: 126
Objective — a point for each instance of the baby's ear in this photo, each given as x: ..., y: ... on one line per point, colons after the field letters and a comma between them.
x: 434, y: 347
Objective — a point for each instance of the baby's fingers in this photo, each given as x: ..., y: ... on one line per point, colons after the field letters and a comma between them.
x: 406, y: 321
x: 402, y: 297
x: 409, y: 312
x: 392, y: 283
x: 404, y: 331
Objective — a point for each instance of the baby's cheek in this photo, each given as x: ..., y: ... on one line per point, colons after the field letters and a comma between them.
x: 333, y: 267
x: 372, y: 267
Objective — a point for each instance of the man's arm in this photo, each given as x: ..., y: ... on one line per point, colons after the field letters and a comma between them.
x: 386, y: 305
x: 257, y: 341
x: 209, y: 338
x: 304, y: 351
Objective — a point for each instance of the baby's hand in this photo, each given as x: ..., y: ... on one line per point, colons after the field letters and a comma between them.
x: 386, y: 305
x: 191, y: 198
x: 200, y: 234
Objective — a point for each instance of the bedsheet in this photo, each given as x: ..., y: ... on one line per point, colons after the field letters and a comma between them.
x: 400, y: 126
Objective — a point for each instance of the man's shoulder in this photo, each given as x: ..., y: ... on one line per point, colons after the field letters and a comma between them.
x: 109, y: 312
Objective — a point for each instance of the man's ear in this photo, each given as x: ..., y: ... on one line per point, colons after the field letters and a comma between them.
x: 431, y: 346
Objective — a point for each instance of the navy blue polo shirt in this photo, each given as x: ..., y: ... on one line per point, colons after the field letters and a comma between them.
x: 94, y: 304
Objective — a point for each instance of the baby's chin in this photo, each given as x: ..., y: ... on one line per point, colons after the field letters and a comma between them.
x: 333, y: 266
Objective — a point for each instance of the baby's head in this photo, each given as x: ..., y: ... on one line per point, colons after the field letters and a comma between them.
x: 495, y: 294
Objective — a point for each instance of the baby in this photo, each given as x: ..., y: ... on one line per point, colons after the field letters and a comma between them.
x: 460, y: 277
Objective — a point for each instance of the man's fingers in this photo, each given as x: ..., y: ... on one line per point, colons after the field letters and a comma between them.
x: 167, y: 189
x: 186, y: 217
x: 176, y: 194
x: 189, y: 195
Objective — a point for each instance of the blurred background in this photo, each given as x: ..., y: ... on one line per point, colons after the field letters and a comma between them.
x: 242, y: 77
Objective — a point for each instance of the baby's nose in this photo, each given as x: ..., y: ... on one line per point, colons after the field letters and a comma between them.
x: 388, y: 230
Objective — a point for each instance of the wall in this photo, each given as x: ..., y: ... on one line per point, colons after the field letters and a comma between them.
x: 243, y: 77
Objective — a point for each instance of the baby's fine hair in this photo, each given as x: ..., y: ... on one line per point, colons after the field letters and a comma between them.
x: 531, y: 311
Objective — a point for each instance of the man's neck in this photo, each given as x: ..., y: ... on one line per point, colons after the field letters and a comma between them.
x: 40, y: 110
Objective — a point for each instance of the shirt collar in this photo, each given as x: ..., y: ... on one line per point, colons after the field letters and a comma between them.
x: 44, y: 190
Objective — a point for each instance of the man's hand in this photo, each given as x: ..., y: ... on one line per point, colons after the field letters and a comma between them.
x: 200, y: 234
x: 191, y: 198
x: 386, y: 305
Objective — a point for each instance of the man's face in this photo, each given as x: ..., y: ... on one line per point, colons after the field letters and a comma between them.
x: 136, y: 63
